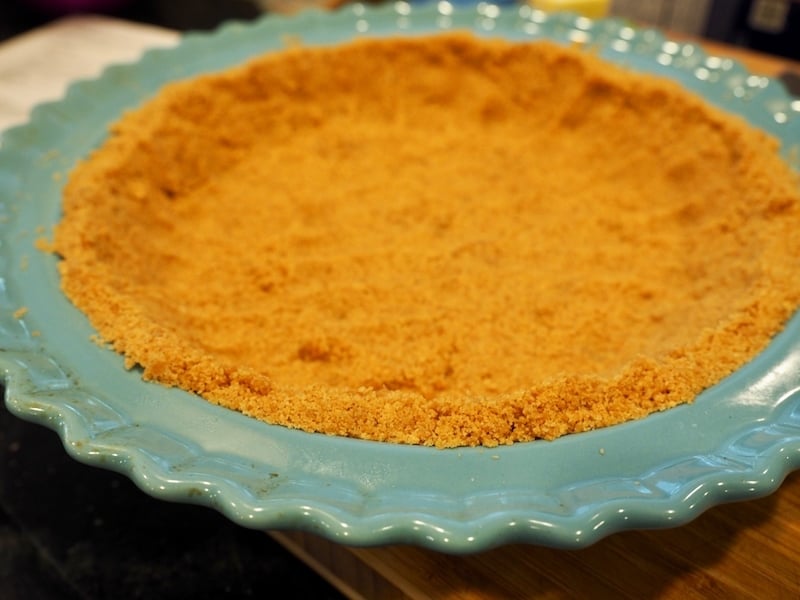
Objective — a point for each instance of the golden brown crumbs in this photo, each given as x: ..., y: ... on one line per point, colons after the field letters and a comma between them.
x: 440, y: 240
x: 43, y: 244
x: 20, y: 312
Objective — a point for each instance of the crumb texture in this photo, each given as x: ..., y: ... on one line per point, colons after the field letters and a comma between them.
x: 485, y: 243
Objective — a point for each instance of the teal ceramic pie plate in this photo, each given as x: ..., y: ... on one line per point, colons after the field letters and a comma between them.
x: 738, y: 440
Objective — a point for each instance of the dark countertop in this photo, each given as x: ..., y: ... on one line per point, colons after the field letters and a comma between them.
x: 70, y: 531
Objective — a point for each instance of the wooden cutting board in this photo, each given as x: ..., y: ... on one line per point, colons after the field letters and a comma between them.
x: 742, y: 550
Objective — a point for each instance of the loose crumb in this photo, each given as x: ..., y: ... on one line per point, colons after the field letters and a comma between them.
x: 44, y: 244
x: 487, y: 243
x: 20, y: 312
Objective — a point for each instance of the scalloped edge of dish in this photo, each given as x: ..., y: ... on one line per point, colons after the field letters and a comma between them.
x: 37, y: 389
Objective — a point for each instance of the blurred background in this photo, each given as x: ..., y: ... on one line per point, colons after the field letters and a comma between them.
x: 771, y: 26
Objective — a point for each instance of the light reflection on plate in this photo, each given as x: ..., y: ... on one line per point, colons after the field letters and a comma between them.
x: 737, y: 441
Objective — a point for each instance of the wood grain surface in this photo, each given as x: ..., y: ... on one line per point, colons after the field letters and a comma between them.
x: 747, y: 549
x: 734, y: 551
